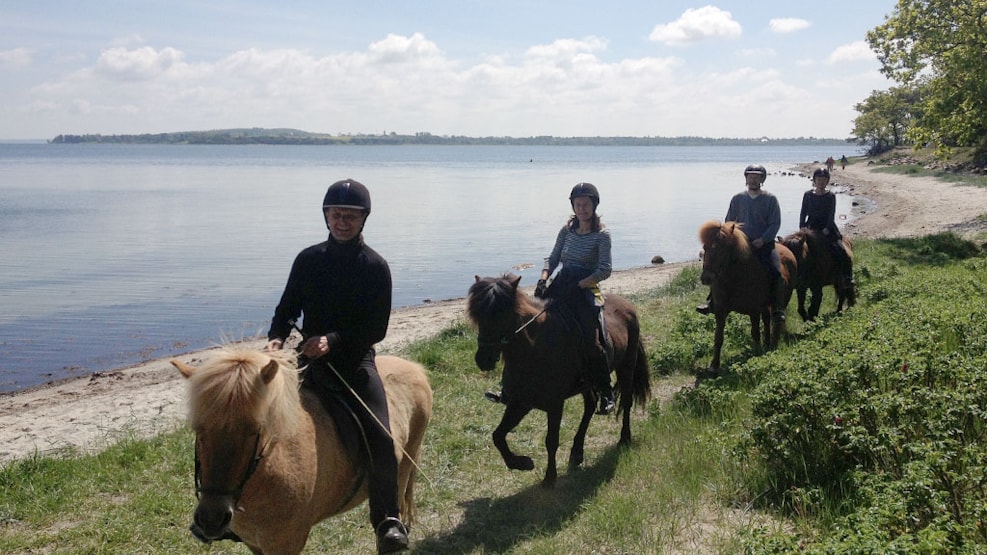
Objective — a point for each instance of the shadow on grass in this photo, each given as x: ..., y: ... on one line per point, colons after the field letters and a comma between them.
x: 495, y: 525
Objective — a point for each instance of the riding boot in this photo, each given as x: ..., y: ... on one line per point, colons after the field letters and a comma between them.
x: 599, y: 369
x: 707, y: 307
x: 392, y: 536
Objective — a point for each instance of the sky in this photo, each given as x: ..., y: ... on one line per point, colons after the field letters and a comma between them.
x: 519, y: 68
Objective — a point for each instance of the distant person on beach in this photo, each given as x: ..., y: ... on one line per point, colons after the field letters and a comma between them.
x: 760, y: 214
x: 830, y: 163
x: 342, y: 287
x: 582, y: 247
x: 819, y: 213
x: 843, y: 162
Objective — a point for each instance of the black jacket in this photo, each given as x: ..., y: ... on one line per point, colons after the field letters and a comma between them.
x: 344, y: 292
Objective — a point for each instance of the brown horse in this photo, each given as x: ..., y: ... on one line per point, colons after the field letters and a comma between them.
x: 739, y: 282
x: 818, y: 268
x: 544, y: 364
x: 269, y: 459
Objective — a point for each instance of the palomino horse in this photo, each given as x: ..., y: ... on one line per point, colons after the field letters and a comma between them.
x: 269, y: 459
x: 739, y: 282
x: 544, y: 364
x: 818, y: 268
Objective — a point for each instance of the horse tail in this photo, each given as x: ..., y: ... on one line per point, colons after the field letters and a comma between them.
x: 636, y: 364
x: 642, y: 377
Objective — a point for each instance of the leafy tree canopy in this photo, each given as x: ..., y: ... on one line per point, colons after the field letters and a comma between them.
x: 937, y: 47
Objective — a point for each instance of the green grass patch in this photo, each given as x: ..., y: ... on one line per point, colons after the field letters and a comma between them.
x: 863, y: 432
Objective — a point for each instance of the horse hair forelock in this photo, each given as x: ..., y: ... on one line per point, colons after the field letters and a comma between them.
x: 490, y: 296
x: 727, y: 232
x: 228, y: 388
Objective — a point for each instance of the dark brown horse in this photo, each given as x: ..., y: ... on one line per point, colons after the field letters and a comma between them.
x: 544, y: 363
x: 739, y: 282
x: 818, y: 267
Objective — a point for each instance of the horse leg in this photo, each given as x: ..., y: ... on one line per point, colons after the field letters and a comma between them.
x: 513, y: 415
x: 552, y: 444
x: 589, y: 407
x: 756, y: 332
x: 721, y: 321
x: 816, y: 302
x: 800, y: 292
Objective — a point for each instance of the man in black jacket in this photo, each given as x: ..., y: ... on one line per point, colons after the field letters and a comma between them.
x: 342, y: 287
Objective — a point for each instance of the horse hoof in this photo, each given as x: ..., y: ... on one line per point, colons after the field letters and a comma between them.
x: 575, y: 459
x: 521, y: 463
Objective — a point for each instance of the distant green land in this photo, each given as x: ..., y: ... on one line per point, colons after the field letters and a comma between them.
x: 257, y: 135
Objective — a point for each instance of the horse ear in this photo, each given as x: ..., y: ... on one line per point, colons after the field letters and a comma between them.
x: 185, y: 369
x: 515, y: 282
x: 268, y: 372
x: 477, y: 278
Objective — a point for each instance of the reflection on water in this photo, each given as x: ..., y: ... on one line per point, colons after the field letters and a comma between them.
x: 114, y: 254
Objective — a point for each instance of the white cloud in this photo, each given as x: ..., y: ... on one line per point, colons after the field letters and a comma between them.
x: 853, y: 52
x: 138, y: 64
x: 708, y: 22
x: 17, y: 58
x: 788, y: 24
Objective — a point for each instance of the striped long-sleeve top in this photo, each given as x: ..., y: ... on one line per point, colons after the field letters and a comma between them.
x: 589, y: 252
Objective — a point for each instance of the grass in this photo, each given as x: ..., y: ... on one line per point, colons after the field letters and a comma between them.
x: 690, y: 483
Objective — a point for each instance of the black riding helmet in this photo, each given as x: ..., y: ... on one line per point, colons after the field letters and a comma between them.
x: 758, y: 169
x: 347, y: 193
x: 585, y: 190
x: 820, y: 172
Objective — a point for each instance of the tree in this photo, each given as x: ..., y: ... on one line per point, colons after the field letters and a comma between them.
x: 885, y: 118
x: 939, y: 47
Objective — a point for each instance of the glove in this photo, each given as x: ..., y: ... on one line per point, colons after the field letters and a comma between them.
x: 541, y: 289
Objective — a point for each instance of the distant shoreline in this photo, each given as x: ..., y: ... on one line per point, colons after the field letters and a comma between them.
x: 246, y: 136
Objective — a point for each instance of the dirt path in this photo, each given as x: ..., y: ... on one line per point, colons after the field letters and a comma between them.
x: 89, y: 413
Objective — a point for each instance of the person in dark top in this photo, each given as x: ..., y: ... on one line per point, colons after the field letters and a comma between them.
x: 760, y: 214
x: 819, y: 213
x: 342, y: 289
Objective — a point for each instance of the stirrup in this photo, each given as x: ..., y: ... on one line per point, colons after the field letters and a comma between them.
x: 494, y: 396
x: 392, y: 536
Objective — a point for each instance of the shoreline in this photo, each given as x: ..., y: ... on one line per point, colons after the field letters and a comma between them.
x: 87, y: 413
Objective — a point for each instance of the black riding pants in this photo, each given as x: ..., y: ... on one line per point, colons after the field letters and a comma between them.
x: 383, y: 481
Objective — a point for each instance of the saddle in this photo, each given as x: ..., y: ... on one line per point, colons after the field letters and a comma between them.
x: 335, y: 398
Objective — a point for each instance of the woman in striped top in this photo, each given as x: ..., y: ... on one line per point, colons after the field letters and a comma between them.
x: 583, y: 249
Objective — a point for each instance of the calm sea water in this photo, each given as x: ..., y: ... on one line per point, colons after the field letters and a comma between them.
x: 115, y: 254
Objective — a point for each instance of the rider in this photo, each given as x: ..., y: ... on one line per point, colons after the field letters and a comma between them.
x: 343, y: 289
x: 819, y: 213
x: 760, y: 214
x: 583, y: 248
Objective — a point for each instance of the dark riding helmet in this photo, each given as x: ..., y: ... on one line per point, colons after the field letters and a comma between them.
x: 820, y: 172
x: 756, y: 168
x: 347, y: 194
x: 585, y: 190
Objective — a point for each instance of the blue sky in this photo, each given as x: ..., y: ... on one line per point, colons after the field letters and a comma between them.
x: 517, y: 68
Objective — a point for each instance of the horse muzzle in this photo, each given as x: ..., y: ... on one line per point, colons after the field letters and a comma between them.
x: 212, y: 519
x: 486, y: 359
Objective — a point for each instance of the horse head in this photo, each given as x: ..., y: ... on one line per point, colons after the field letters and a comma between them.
x: 492, y: 308
x: 239, y: 401
x: 723, y: 244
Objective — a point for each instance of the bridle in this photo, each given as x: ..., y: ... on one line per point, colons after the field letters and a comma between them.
x: 505, y: 339
x: 259, y: 451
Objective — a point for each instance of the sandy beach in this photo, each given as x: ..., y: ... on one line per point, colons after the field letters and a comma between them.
x: 89, y: 413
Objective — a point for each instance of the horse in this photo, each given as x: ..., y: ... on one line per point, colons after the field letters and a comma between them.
x: 817, y: 268
x: 544, y: 363
x: 739, y: 282
x: 269, y: 458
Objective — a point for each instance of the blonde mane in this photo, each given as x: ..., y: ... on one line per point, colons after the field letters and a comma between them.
x: 229, y: 388
x: 727, y: 233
